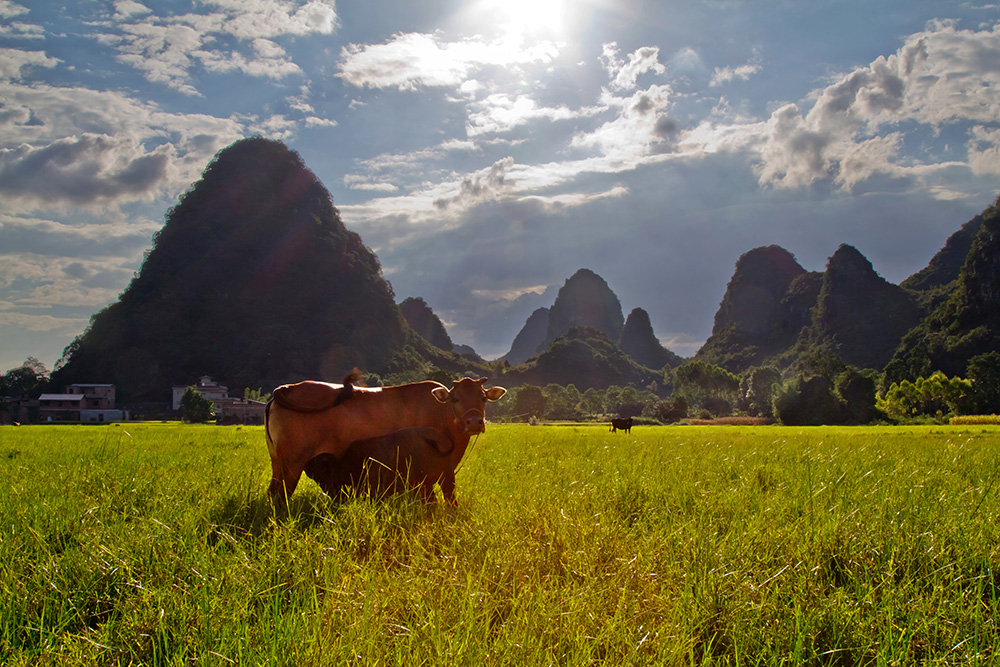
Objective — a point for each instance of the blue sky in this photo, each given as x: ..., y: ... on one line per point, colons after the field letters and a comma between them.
x: 486, y: 150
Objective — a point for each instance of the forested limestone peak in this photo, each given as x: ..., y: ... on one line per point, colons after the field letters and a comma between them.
x: 529, y: 338
x: 584, y: 300
x: 424, y: 322
x: 946, y: 265
x: 253, y: 279
x: 859, y: 314
x: 752, y: 302
x: 639, y: 342
x: 967, y: 323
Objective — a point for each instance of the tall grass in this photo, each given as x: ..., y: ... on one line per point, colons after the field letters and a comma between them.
x: 156, y: 545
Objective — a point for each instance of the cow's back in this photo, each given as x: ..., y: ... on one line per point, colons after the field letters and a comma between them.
x: 296, y: 436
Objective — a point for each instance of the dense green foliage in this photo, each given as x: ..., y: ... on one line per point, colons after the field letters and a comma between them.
x: 965, y: 325
x: 934, y: 395
x: 673, y: 545
x: 195, y: 408
x: 707, y: 387
x: 584, y: 357
x: 27, y: 379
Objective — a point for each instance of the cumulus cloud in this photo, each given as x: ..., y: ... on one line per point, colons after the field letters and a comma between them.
x: 482, y: 186
x: 940, y: 76
x: 413, y: 60
x: 625, y: 74
x: 9, y: 10
x: 83, y: 170
x: 638, y: 125
x: 14, y: 62
x: 167, y: 48
x: 17, y: 29
x: 75, y: 146
x: 126, y: 9
x: 984, y: 151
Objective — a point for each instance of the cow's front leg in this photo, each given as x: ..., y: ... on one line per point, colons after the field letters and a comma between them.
x: 284, y: 479
x: 447, y: 482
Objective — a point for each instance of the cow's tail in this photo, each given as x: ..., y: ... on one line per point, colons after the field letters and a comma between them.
x: 267, y: 427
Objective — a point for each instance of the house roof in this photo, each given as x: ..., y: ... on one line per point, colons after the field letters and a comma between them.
x: 61, y: 397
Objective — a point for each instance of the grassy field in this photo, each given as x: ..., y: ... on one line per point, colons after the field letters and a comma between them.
x: 154, y: 544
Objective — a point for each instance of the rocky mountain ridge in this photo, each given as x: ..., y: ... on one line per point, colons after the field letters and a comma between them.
x: 254, y: 280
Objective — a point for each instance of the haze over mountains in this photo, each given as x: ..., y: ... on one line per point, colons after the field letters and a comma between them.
x: 255, y: 280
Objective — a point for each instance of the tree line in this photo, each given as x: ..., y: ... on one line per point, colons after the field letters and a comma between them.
x: 821, y: 390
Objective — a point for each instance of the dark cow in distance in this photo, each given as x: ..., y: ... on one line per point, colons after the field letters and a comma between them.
x: 621, y: 425
x: 310, y: 418
x: 411, y: 458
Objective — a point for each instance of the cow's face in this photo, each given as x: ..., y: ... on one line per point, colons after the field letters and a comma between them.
x: 467, y: 399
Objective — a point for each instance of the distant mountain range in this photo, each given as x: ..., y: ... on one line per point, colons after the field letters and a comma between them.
x: 254, y: 279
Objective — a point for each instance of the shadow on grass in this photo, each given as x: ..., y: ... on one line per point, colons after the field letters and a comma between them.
x: 249, y: 514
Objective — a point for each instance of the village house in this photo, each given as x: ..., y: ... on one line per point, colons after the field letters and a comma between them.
x: 81, y: 403
x: 228, y: 410
x: 207, y: 387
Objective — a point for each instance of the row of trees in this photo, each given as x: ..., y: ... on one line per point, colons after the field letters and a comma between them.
x: 824, y: 391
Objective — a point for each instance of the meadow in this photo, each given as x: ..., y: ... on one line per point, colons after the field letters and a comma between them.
x: 154, y: 544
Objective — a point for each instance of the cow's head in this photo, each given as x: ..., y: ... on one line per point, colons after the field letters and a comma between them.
x: 467, y: 399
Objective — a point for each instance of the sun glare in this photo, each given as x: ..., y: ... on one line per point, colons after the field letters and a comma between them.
x: 530, y: 16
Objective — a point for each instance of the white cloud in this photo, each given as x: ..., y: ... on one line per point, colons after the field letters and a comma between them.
x: 485, y: 185
x: 940, y: 76
x: 9, y: 10
x: 75, y: 146
x: 413, y: 60
x: 14, y: 62
x: 86, y: 169
x: 166, y: 48
x: 270, y: 61
x: 639, y: 125
x: 984, y: 151
x: 570, y: 199
x: 44, y: 281
x: 42, y: 323
x: 126, y: 9
x: 742, y: 72
x: 624, y: 74
x: 501, y: 113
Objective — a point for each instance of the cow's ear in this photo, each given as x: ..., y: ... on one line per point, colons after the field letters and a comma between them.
x: 441, y: 394
x: 494, y: 393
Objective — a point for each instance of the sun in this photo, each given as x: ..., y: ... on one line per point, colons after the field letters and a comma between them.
x: 529, y: 16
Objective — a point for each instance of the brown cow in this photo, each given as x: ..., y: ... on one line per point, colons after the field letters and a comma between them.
x: 411, y: 458
x: 311, y: 418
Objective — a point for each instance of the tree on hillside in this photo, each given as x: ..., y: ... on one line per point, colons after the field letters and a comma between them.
x: 856, y: 390
x: 668, y: 411
x: 807, y: 402
x: 936, y: 395
x: 984, y: 373
x: 529, y: 402
x: 592, y: 402
x: 707, y: 386
x: 562, y: 402
x: 757, y: 391
x: 195, y: 408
